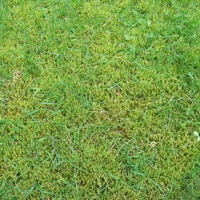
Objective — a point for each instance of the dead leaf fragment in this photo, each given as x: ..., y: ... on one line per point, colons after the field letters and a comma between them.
x: 16, y: 75
x: 117, y: 91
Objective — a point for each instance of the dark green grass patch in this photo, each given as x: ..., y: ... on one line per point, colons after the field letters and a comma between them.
x: 99, y: 99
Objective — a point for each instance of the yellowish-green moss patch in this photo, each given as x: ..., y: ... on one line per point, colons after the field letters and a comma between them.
x: 99, y: 99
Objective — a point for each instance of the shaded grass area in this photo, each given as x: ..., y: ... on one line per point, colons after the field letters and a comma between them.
x: 99, y: 99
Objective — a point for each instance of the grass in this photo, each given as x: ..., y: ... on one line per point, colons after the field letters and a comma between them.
x: 99, y: 99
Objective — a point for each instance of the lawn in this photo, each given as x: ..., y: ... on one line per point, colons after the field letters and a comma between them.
x: 99, y: 99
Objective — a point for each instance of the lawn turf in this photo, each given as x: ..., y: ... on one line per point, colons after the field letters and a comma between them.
x: 99, y: 99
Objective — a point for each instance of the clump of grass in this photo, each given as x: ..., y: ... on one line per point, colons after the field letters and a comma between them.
x: 99, y: 100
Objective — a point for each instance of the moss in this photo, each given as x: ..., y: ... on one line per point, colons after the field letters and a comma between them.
x: 99, y: 100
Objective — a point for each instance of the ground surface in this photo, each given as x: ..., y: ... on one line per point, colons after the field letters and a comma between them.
x: 99, y: 99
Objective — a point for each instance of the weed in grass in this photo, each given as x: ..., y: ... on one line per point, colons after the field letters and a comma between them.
x: 99, y: 99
